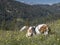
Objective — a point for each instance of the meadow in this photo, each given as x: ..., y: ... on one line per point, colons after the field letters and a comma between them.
x: 18, y: 38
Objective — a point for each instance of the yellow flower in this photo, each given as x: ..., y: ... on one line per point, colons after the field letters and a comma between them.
x: 48, y: 42
x: 18, y: 39
x: 58, y: 39
x: 6, y: 40
x: 40, y: 37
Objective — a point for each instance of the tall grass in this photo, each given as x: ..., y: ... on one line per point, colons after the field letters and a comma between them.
x: 18, y: 38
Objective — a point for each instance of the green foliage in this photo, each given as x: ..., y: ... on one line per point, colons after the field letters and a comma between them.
x: 19, y: 38
x: 11, y: 10
x: 14, y: 15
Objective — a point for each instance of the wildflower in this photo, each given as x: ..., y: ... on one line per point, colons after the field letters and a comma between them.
x: 48, y: 42
x: 6, y: 40
x: 58, y: 39
x: 18, y: 39
x: 40, y: 37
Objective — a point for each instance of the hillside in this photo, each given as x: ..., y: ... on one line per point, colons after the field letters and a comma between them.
x: 14, y: 14
x: 19, y: 38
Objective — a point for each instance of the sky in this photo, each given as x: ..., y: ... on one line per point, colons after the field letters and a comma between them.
x: 39, y: 1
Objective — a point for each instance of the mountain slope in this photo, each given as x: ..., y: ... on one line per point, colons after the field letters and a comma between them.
x: 16, y: 14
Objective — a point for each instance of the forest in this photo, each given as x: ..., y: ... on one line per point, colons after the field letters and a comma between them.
x: 14, y: 14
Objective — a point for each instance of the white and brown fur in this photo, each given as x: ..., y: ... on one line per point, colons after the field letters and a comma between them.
x: 42, y: 29
x: 24, y: 28
x: 30, y: 31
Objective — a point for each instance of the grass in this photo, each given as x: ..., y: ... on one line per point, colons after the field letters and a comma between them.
x: 18, y: 38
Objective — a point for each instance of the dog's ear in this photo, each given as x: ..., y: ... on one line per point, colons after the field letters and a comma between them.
x: 43, y: 28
